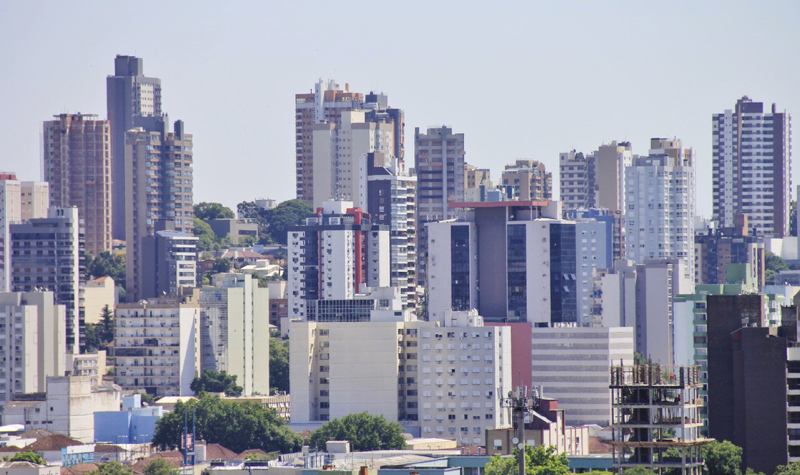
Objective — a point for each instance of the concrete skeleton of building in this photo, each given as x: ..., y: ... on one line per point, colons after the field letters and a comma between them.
x: 447, y: 380
x: 234, y: 330
x: 33, y: 342
x: 334, y: 254
x: 19, y: 201
x: 77, y: 166
x: 660, y: 205
x: 157, y: 346
x: 751, y: 168
x: 47, y: 254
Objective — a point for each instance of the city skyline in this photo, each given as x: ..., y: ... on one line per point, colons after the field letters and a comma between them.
x: 579, y: 76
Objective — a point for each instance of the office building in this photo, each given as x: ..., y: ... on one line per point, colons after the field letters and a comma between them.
x: 77, y: 166
x: 18, y: 201
x: 614, y: 222
x: 389, y: 196
x: 489, y: 260
x: 159, y: 191
x: 157, y: 346
x: 660, y: 205
x: 169, y: 262
x: 439, y: 165
x: 33, y: 342
x: 325, y: 104
x: 656, y: 422
x: 529, y: 179
x: 234, y: 331
x: 47, y: 254
x: 573, y: 364
x: 133, y: 100
x: 752, y: 174
x: 334, y: 254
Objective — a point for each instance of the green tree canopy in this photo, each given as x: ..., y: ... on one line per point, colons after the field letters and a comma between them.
x: 223, y: 264
x: 285, y: 215
x: 28, y: 456
x: 208, y: 211
x: 235, y: 425
x: 722, y: 458
x: 112, y: 468
x: 98, y: 336
x: 160, y: 466
x: 213, y: 382
x: 773, y: 264
x: 638, y: 471
x: 278, y: 365
x: 791, y: 469
x: 539, y: 460
x: 364, y: 431
x: 106, y: 264
x: 207, y: 239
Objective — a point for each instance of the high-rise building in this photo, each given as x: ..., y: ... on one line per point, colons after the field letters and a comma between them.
x: 390, y: 199
x: 660, y: 205
x: 530, y: 180
x: 234, y: 330
x: 47, y: 254
x: 577, y: 180
x: 169, y: 262
x: 18, y: 201
x: 158, y: 189
x: 334, y: 254
x: 157, y: 345
x: 595, y: 180
x: 133, y: 100
x: 717, y: 248
x: 33, y: 342
x: 77, y: 165
x: 325, y: 104
x: 475, y: 177
x: 752, y: 171
x: 439, y: 165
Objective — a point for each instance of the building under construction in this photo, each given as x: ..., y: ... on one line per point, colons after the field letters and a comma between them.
x: 655, y: 419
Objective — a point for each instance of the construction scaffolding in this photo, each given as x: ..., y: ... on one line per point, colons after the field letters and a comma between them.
x: 655, y: 418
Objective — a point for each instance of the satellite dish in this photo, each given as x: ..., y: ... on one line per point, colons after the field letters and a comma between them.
x: 515, y: 441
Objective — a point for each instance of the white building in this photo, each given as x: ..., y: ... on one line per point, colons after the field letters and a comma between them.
x: 660, y: 205
x: 334, y: 254
x: 157, y: 345
x: 234, y: 330
x: 573, y: 365
x: 18, y: 201
x: 33, y: 342
x: 67, y: 408
x: 752, y: 172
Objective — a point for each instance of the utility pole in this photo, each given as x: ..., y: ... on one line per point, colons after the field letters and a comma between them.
x: 521, y: 402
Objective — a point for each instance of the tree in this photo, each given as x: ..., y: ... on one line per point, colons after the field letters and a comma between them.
x: 750, y: 471
x: 539, y: 460
x: 285, y: 215
x: 249, y: 210
x: 160, y: 466
x: 235, y: 425
x: 207, y: 239
x: 28, y: 456
x: 722, y: 458
x: 99, y: 336
x: 213, y: 382
x: 364, y: 431
x: 112, y: 468
x: 223, y: 264
x: 772, y: 264
x: 106, y: 264
x: 278, y: 365
x: 208, y: 211
x: 791, y: 469
x: 638, y: 471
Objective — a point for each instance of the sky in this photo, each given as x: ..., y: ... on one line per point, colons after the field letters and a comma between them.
x: 527, y: 79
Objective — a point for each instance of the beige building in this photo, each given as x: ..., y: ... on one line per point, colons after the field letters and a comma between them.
x: 159, y: 190
x: 157, y: 345
x: 33, y: 342
x: 97, y: 294
x: 325, y: 103
x: 530, y: 180
x: 475, y: 177
x: 611, y: 161
x: 67, y: 407
x: 18, y: 201
x: 28, y: 468
x: 77, y: 165
x: 88, y: 364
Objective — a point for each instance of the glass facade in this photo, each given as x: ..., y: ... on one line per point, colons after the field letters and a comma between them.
x: 459, y: 261
x: 517, y: 275
x: 563, y: 281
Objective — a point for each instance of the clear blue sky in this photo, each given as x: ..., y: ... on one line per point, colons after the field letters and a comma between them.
x: 520, y: 79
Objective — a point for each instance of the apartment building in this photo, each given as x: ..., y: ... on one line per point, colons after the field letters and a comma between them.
x: 77, y: 166
x: 716, y: 249
x: 33, y: 342
x: 19, y: 201
x: 47, y: 254
x: 577, y: 180
x: 157, y: 346
x: 596, y: 179
x: 333, y: 254
x: 572, y: 365
x: 529, y: 179
x: 751, y: 167
x: 159, y: 190
x: 325, y: 103
x: 169, y: 262
x: 475, y: 177
x: 234, y: 330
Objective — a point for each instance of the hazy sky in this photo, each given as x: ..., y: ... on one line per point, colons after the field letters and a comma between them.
x: 520, y: 79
